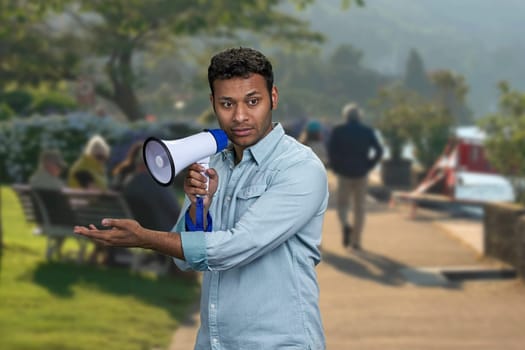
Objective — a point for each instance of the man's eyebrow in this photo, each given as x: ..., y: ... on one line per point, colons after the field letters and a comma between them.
x: 249, y: 94
x: 253, y: 93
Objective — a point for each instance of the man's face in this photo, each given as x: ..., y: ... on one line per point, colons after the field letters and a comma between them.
x: 54, y: 168
x: 242, y: 106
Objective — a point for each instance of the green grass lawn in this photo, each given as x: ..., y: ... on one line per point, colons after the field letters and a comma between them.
x: 64, y: 305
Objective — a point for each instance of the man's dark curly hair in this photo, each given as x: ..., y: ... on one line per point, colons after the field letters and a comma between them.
x: 240, y: 62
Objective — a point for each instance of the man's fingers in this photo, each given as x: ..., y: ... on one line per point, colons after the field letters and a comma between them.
x: 110, y: 222
x: 91, y: 232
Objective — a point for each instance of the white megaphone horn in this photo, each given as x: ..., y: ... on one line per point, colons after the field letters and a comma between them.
x: 166, y: 158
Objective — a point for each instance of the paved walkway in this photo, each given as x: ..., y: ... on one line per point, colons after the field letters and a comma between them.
x: 392, y: 295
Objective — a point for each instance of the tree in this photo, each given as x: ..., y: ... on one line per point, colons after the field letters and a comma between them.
x: 416, y: 77
x: 450, y: 91
x: 404, y: 117
x: 394, y: 115
x: 505, y: 142
x: 27, y: 56
x: 115, y: 31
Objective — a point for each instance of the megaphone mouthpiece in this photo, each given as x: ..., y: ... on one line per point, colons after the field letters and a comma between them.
x: 166, y: 158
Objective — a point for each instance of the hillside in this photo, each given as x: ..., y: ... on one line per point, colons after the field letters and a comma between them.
x: 479, y: 39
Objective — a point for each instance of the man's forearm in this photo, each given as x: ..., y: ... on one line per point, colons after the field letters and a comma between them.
x: 168, y: 243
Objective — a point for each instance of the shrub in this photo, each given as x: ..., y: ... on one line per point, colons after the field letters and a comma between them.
x: 51, y: 103
x: 21, y: 140
x: 6, y: 112
x: 18, y: 100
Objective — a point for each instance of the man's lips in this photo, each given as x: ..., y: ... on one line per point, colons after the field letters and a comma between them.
x: 241, y: 131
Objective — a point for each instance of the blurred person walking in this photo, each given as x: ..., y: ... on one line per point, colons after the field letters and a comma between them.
x: 312, y: 137
x: 353, y: 151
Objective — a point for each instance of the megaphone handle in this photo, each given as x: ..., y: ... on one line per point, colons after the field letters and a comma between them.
x: 205, y: 162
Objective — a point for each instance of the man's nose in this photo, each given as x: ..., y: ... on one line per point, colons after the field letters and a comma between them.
x: 241, y: 113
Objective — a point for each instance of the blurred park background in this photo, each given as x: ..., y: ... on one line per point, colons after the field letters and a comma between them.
x: 71, y: 69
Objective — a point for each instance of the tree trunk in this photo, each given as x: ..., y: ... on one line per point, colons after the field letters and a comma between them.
x: 121, y: 75
x: 127, y: 101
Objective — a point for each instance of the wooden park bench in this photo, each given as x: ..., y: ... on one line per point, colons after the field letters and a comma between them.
x: 56, y: 212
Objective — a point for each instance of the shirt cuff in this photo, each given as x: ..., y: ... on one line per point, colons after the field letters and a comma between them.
x: 194, y: 246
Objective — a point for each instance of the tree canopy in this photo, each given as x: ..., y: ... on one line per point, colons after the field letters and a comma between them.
x: 48, y: 40
x: 505, y: 143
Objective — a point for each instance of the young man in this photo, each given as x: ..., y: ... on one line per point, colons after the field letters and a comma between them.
x: 264, y: 205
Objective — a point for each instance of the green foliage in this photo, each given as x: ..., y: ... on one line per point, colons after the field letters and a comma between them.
x: 43, y: 101
x: 505, y: 142
x: 450, y: 91
x: 405, y: 117
x: 430, y: 133
x: 60, y: 305
x: 6, y: 112
x: 447, y: 88
x: 21, y: 140
x: 313, y: 85
x: 394, y: 115
x: 31, y: 51
x: 416, y: 75
x: 116, y: 30
x: 18, y: 100
x: 52, y: 102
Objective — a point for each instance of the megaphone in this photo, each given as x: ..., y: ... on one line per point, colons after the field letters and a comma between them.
x: 166, y: 158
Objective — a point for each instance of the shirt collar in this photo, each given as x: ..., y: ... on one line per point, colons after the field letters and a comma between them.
x: 261, y: 149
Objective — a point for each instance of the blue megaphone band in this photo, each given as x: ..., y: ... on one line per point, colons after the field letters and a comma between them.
x: 220, y: 138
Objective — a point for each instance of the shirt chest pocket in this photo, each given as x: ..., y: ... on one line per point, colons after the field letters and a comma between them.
x: 246, y: 197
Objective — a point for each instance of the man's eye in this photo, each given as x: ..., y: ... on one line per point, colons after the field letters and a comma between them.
x: 253, y: 101
x: 226, y: 104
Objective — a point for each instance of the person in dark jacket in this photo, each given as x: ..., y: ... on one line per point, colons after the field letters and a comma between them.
x: 151, y: 204
x: 353, y: 151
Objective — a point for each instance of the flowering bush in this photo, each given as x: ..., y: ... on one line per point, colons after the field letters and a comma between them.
x: 21, y: 140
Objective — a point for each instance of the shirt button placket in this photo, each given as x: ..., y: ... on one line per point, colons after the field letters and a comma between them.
x: 214, y: 331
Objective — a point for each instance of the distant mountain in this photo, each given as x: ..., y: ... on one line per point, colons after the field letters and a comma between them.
x: 480, y: 39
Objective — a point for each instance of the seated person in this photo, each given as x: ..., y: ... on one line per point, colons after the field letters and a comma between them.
x: 50, y: 167
x: 154, y: 206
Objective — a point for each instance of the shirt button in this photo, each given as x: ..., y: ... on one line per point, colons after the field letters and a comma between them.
x: 228, y: 198
x: 215, y: 340
x: 212, y: 306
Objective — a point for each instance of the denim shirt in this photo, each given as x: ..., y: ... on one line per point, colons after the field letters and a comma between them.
x: 259, y: 288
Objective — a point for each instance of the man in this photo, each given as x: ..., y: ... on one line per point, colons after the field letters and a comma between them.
x: 50, y: 167
x: 264, y: 207
x: 349, y: 151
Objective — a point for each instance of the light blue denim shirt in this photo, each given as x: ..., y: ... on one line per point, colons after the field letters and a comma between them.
x: 260, y: 287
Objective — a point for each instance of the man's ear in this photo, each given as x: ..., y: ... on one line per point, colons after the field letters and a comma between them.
x: 275, y: 97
